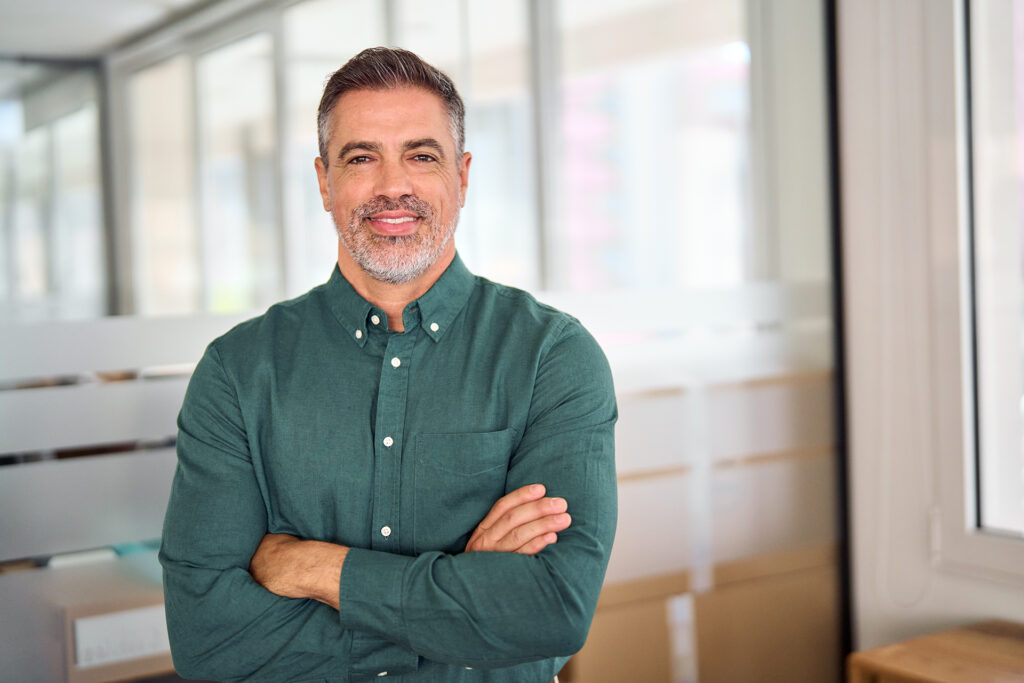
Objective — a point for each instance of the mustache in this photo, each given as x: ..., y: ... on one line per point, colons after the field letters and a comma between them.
x: 406, y: 202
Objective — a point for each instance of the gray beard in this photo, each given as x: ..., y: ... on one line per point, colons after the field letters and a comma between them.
x: 395, y: 259
x: 412, y: 257
x: 400, y: 258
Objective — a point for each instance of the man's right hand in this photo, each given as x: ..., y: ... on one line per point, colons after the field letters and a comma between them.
x: 523, y: 521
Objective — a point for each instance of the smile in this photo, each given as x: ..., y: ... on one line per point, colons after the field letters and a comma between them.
x: 394, y: 224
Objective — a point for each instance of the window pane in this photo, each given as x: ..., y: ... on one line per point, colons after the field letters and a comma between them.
x: 997, y: 87
x: 165, y: 237
x: 241, y: 245
x: 52, y: 262
x: 79, y: 279
x: 485, y: 49
x: 652, y: 184
x: 31, y: 199
x: 320, y: 36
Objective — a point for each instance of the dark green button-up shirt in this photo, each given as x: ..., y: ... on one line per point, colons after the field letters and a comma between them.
x: 315, y: 420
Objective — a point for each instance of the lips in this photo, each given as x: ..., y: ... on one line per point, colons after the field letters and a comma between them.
x: 394, y: 222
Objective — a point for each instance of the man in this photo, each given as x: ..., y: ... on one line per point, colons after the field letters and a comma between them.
x: 374, y: 478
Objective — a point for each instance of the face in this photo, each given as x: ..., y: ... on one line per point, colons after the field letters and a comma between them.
x: 392, y: 182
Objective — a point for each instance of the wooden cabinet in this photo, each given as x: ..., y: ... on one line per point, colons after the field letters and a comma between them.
x: 987, y: 652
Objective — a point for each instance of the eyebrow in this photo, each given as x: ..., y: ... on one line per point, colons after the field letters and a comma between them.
x: 429, y: 143
x: 365, y: 145
x: 358, y: 144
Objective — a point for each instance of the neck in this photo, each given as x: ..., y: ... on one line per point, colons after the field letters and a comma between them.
x: 389, y: 297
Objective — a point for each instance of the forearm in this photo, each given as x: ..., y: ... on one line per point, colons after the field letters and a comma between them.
x: 474, y: 609
x: 223, y: 626
x: 296, y: 568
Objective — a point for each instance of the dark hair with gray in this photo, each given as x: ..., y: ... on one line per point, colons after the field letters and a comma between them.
x: 386, y: 68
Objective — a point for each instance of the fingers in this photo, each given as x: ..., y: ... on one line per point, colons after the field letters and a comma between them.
x: 524, y: 494
x: 521, y: 522
x: 524, y: 538
x: 538, y: 544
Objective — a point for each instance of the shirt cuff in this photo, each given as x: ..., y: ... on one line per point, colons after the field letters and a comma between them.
x: 370, y: 593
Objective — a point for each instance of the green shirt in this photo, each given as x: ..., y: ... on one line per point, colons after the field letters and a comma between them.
x: 315, y: 420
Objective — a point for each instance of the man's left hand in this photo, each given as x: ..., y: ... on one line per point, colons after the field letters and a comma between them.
x: 523, y: 521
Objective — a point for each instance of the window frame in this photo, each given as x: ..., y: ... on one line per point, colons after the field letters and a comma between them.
x: 958, y: 543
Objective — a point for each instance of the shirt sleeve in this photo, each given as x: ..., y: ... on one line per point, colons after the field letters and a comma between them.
x: 222, y: 624
x: 492, y: 609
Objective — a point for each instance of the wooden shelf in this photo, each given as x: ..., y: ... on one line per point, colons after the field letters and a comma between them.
x: 979, y: 653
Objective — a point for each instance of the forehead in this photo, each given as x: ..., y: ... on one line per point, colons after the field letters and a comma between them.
x: 393, y: 115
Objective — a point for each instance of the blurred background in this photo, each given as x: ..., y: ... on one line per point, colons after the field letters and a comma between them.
x: 669, y: 171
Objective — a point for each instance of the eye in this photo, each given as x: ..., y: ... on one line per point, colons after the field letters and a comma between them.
x: 424, y: 157
x: 361, y: 159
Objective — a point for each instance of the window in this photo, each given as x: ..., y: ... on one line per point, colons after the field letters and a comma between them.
x: 615, y: 165
x: 484, y: 47
x: 238, y: 176
x: 52, y: 238
x: 319, y: 35
x: 653, y: 181
x: 997, y: 105
x: 164, y: 222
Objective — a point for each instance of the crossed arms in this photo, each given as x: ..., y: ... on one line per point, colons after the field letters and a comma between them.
x: 533, y: 601
x: 524, y: 521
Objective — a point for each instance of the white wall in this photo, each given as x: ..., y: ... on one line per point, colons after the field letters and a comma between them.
x: 918, y: 563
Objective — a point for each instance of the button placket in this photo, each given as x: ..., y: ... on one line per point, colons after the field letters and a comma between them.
x: 392, y: 398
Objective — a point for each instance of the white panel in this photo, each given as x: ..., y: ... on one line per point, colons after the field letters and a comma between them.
x: 654, y: 431
x: 116, y: 343
x: 773, y: 506
x: 753, y: 304
x: 767, y: 418
x: 757, y: 508
x: 121, y: 636
x: 65, y: 505
x: 690, y: 360
x: 653, y: 534
x: 87, y: 414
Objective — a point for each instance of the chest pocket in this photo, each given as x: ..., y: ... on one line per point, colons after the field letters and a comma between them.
x: 458, y: 478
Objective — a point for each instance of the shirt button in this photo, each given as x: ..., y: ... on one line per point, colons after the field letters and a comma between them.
x: 388, y: 441
x: 434, y: 327
x: 395, y: 362
x: 359, y: 334
x: 385, y: 531
x: 375, y: 319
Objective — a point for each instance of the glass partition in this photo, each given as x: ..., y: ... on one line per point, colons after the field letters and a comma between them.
x: 52, y: 240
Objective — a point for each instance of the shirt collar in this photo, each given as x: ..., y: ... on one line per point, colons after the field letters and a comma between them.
x: 438, y: 306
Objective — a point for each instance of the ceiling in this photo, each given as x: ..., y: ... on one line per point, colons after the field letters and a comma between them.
x: 79, y: 29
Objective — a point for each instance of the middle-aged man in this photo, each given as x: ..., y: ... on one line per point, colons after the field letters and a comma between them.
x: 375, y: 478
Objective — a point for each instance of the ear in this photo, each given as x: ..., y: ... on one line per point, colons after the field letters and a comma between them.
x: 464, y: 176
x: 321, y: 177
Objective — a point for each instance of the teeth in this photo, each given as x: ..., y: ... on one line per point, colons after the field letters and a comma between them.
x: 396, y: 221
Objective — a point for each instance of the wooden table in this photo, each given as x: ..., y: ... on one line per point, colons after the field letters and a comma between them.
x: 987, y: 652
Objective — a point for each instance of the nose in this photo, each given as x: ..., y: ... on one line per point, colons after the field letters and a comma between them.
x: 392, y: 179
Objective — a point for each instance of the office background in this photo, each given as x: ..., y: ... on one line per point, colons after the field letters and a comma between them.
x: 674, y: 172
